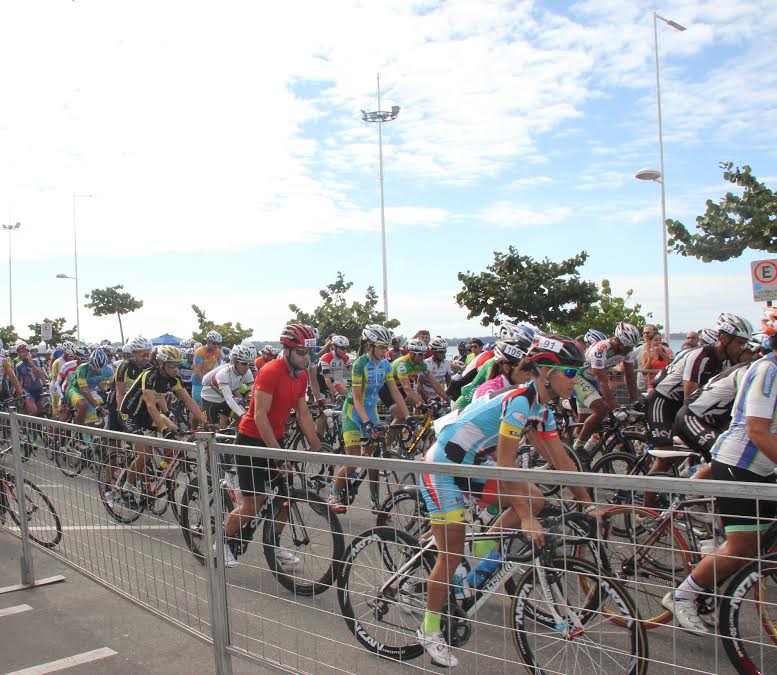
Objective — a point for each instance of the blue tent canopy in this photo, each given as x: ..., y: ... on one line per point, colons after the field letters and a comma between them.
x: 166, y: 339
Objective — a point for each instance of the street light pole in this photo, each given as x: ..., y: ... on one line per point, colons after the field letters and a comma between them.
x: 75, y: 256
x: 10, y: 228
x: 380, y: 117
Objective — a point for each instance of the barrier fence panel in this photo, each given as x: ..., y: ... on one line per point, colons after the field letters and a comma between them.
x: 261, y: 565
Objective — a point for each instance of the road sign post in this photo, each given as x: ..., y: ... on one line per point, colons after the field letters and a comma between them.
x: 46, y: 332
x: 764, y: 278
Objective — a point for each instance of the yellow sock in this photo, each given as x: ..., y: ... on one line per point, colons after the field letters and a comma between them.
x: 431, y: 622
x: 483, y: 547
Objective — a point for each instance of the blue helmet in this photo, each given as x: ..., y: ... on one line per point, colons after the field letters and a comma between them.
x: 98, y: 360
x: 592, y: 336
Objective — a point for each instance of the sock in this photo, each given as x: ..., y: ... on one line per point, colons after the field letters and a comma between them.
x: 431, y: 622
x: 483, y: 547
x: 688, y: 590
x: 579, y: 443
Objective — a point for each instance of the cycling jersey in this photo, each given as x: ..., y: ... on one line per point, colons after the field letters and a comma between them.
x: 490, y: 387
x: 439, y: 370
x: 66, y: 371
x: 370, y: 377
x: 134, y: 408
x: 757, y: 397
x: 337, y: 368
x: 218, y: 385
x: 84, y: 377
x: 474, y: 362
x: 404, y: 367
x: 7, y: 370
x: 468, y: 390
x: 695, y: 365
x: 714, y: 400
x: 31, y: 383
x: 207, y: 360
x: 185, y: 372
x: 601, y: 356
x: 127, y: 372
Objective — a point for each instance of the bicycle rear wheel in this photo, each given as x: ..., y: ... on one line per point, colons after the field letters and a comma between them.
x: 575, y: 633
x: 44, y: 525
x: 406, y: 511
x: 122, y: 507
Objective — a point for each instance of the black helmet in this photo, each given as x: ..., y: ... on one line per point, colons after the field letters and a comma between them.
x: 555, y: 350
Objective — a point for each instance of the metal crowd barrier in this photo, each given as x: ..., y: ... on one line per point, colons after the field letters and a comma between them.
x: 311, y: 592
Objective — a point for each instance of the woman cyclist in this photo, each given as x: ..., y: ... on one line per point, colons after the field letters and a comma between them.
x: 360, y: 410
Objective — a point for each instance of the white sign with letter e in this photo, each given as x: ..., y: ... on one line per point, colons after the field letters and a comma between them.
x: 764, y: 275
x: 45, y: 331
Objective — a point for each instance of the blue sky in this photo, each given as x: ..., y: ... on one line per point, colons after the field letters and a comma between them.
x: 229, y: 166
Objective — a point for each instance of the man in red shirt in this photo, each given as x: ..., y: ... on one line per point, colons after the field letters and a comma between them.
x: 280, y: 386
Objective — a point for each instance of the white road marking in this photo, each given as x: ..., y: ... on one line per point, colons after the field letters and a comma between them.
x: 68, y: 662
x: 17, y: 609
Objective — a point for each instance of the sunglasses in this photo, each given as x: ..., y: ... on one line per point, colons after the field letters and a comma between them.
x: 173, y: 365
x: 380, y: 345
x: 571, y: 373
x: 301, y: 351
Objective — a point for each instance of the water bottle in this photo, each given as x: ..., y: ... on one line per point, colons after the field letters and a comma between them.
x: 484, y: 569
x: 590, y: 444
x: 492, y: 509
x: 689, y: 471
x: 460, y: 583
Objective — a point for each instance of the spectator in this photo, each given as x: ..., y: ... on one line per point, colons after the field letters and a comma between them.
x: 475, y: 348
x: 395, y: 352
x: 647, y: 334
x: 457, y: 362
x: 691, y: 340
x: 655, y: 356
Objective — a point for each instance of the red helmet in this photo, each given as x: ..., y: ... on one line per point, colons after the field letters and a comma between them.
x: 769, y: 321
x: 298, y: 335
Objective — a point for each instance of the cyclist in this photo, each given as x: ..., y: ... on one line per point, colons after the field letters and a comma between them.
x: 187, y: 348
x: 371, y: 373
x: 592, y: 387
x: 32, y: 378
x: 506, y: 356
x: 504, y: 420
x: 269, y: 353
x: 475, y: 349
x: 138, y: 353
x: 438, y: 368
x: 279, y: 387
x: 144, y: 409
x: 746, y: 452
x: 206, y: 358
x: 222, y: 384
x: 335, y: 366
x: 406, y: 370
x: 81, y: 393
x: 457, y: 363
x: 66, y: 373
x: 9, y: 378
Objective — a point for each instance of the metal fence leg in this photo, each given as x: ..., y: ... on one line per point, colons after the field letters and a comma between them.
x: 28, y: 572
x: 214, y: 564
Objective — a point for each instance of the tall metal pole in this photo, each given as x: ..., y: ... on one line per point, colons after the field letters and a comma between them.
x: 75, y: 256
x: 663, y: 182
x: 10, y: 281
x: 382, y: 213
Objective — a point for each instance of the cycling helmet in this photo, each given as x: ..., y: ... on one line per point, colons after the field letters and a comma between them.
x: 21, y: 344
x: 769, y: 321
x: 188, y: 354
x: 416, y: 346
x: 98, y: 360
x: 243, y: 354
x: 213, y: 336
x: 592, y: 336
x: 298, y: 335
x: 196, y: 345
x: 69, y: 349
x: 168, y: 354
x: 374, y: 334
x: 67, y: 337
x: 270, y: 351
x: 186, y: 343
x: 627, y: 334
x: 34, y: 349
x: 709, y: 336
x: 438, y: 344
x: 138, y: 344
x: 340, y: 341
x: 463, y: 344
x: 555, y: 350
x: 734, y: 325
x: 509, y: 352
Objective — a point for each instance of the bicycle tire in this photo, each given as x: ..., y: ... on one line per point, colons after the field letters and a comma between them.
x: 111, y: 495
x: 297, y: 511
x: 528, y: 619
x: 69, y: 459
x: 191, y: 516
x: 406, y: 511
x: 383, y: 550
x: 48, y: 534
x: 742, y: 649
x: 616, y: 464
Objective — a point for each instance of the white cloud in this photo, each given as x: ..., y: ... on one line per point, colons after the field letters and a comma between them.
x: 510, y: 214
x: 530, y: 181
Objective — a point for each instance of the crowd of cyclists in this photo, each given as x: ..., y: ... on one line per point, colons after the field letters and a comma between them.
x: 718, y: 396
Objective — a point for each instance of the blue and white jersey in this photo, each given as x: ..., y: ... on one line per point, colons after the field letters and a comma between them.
x: 757, y: 397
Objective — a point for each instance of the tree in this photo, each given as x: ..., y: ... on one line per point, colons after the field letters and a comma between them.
x: 336, y: 316
x: 734, y: 224
x: 605, y: 314
x: 106, y: 301
x: 231, y: 335
x: 57, y: 326
x: 518, y: 288
x: 8, y: 335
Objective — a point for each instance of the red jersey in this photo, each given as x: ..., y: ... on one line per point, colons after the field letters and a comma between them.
x: 275, y: 379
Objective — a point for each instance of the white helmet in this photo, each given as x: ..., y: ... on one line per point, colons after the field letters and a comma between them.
x: 709, y: 336
x: 186, y: 343
x: 270, y: 350
x: 438, y: 344
x: 243, y: 354
x: 340, y: 341
x: 416, y: 346
x: 627, y: 334
x: 734, y: 325
x: 376, y: 334
x: 592, y: 335
x: 139, y: 344
x: 213, y: 336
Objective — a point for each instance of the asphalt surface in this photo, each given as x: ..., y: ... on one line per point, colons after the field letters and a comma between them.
x: 149, y: 560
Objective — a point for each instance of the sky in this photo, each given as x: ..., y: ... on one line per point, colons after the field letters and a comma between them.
x: 219, y: 157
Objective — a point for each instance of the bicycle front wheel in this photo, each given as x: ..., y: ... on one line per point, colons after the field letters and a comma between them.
x: 574, y: 629
x: 123, y: 507
x: 44, y: 525
x: 405, y: 510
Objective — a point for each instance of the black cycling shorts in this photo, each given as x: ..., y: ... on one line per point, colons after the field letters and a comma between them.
x: 661, y: 413
x: 253, y: 473
x: 740, y: 514
x: 695, y: 432
x: 114, y: 420
x: 213, y: 410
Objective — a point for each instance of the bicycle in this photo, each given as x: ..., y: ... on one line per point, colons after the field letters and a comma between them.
x: 296, y: 520
x: 559, y: 605
x: 415, y: 435
x: 80, y: 449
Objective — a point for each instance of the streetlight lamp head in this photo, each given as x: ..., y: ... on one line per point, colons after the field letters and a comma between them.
x: 676, y: 25
x: 648, y: 174
x: 395, y: 110
x: 62, y: 276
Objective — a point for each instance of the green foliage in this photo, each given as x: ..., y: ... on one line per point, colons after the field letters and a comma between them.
x: 57, y: 329
x: 734, y: 224
x: 605, y: 314
x: 111, y: 300
x: 518, y: 288
x: 336, y: 316
x: 231, y: 335
x: 8, y: 335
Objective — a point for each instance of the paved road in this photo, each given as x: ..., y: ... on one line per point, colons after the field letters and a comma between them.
x: 149, y: 560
